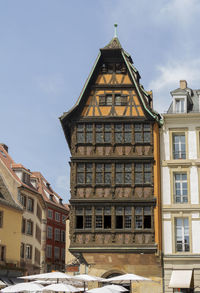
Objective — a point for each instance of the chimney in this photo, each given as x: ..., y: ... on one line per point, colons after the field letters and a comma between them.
x: 183, y: 84
x: 4, y: 146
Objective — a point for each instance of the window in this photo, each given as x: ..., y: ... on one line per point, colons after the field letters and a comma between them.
x: 2, y: 253
x: 83, y: 218
x: 50, y: 214
x: 63, y: 236
x: 1, y: 219
x: 56, y: 252
x: 57, y: 216
x: 64, y: 218
x: 123, y: 173
x: 88, y: 218
x: 29, y: 227
x: 39, y: 212
x: 84, y: 133
x: 142, y: 133
x: 49, y: 250
x: 123, y: 218
x: 179, y: 105
x: 143, y: 217
x: 120, y: 100
x: 105, y: 100
x: 38, y: 234
x: 84, y: 173
x: 37, y: 256
x: 57, y: 234
x: 30, y: 204
x: 26, y: 178
x: 179, y: 147
x: 79, y: 218
x: 22, y: 199
x: 23, y: 226
x: 28, y: 253
x: 180, y: 188
x: 143, y: 173
x: 103, y: 173
x: 103, y: 217
x: 22, y: 247
x: 103, y: 133
x: 123, y: 133
x: 182, y: 234
x: 63, y: 254
x: 49, y: 232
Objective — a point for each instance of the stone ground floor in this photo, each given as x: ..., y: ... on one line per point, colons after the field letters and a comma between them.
x: 181, y: 274
x: 108, y: 265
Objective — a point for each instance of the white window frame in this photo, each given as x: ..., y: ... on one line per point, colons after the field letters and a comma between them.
x: 28, y: 252
x: 181, y: 154
x: 57, y: 234
x: 184, y: 232
x: 57, y: 217
x: 49, y: 232
x: 49, y: 250
x: 183, y: 197
x: 56, y: 252
x: 50, y: 214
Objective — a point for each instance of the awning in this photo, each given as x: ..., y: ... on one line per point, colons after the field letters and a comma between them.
x: 180, y: 279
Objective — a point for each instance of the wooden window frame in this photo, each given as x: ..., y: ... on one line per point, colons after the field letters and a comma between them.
x: 123, y: 172
x: 143, y: 171
x: 85, y: 171
x: 142, y: 132
x: 142, y: 215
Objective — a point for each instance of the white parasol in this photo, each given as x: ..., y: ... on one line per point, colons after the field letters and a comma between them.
x: 61, y: 287
x: 31, y: 287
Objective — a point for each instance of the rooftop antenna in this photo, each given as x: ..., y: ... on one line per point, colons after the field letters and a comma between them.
x: 115, y: 25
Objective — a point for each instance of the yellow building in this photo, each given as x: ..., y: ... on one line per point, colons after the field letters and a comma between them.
x: 113, y: 135
x: 10, y: 234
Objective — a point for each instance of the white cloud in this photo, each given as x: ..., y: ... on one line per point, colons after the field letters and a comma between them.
x: 181, y: 11
x: 168, y: 77
x: 51, y: 84
x: 174, y: 71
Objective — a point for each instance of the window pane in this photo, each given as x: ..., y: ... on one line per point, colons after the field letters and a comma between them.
x: 89, y: 178
x: 99, y: 137
x: 89, y: 137
x: 118, y: 137
x: 107, y: 178
x: 119, y: 178
x: 127, y: 178
x: 80, y: 137
x: 107, y: 137
x: 128, y: 220
x: 138, y: 222
x: 127, y: 137
x: 119, y: 167
x: 98, y: 221
x: 99, y: 178
x: 138, y: 178
x: 80, y: 178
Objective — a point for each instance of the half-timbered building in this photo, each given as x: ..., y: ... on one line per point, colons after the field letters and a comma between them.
x: 113, y: 136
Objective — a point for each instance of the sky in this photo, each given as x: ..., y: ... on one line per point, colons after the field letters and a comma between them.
x: 47, y: 49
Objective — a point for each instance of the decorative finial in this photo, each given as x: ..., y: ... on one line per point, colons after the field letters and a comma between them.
x: 115, y: 25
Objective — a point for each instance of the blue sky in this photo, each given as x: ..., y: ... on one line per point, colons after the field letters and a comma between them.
x: 48, y: 47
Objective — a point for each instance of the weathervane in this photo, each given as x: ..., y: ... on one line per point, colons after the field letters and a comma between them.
x: 115, y: 25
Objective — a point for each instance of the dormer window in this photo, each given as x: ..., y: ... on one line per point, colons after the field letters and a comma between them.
x: 26, y: 178
x: 179, y: 105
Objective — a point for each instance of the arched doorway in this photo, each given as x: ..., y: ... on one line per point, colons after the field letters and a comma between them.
x: 113, y: 274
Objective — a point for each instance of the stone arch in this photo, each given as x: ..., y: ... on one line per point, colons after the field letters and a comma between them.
x: 112, y: 273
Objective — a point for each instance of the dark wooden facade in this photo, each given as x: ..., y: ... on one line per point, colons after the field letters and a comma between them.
x: 113, y: 136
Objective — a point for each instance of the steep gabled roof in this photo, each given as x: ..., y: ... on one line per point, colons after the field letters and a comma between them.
x: 49, y: 195
x: 114, y: 47
x: 6, y: 197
